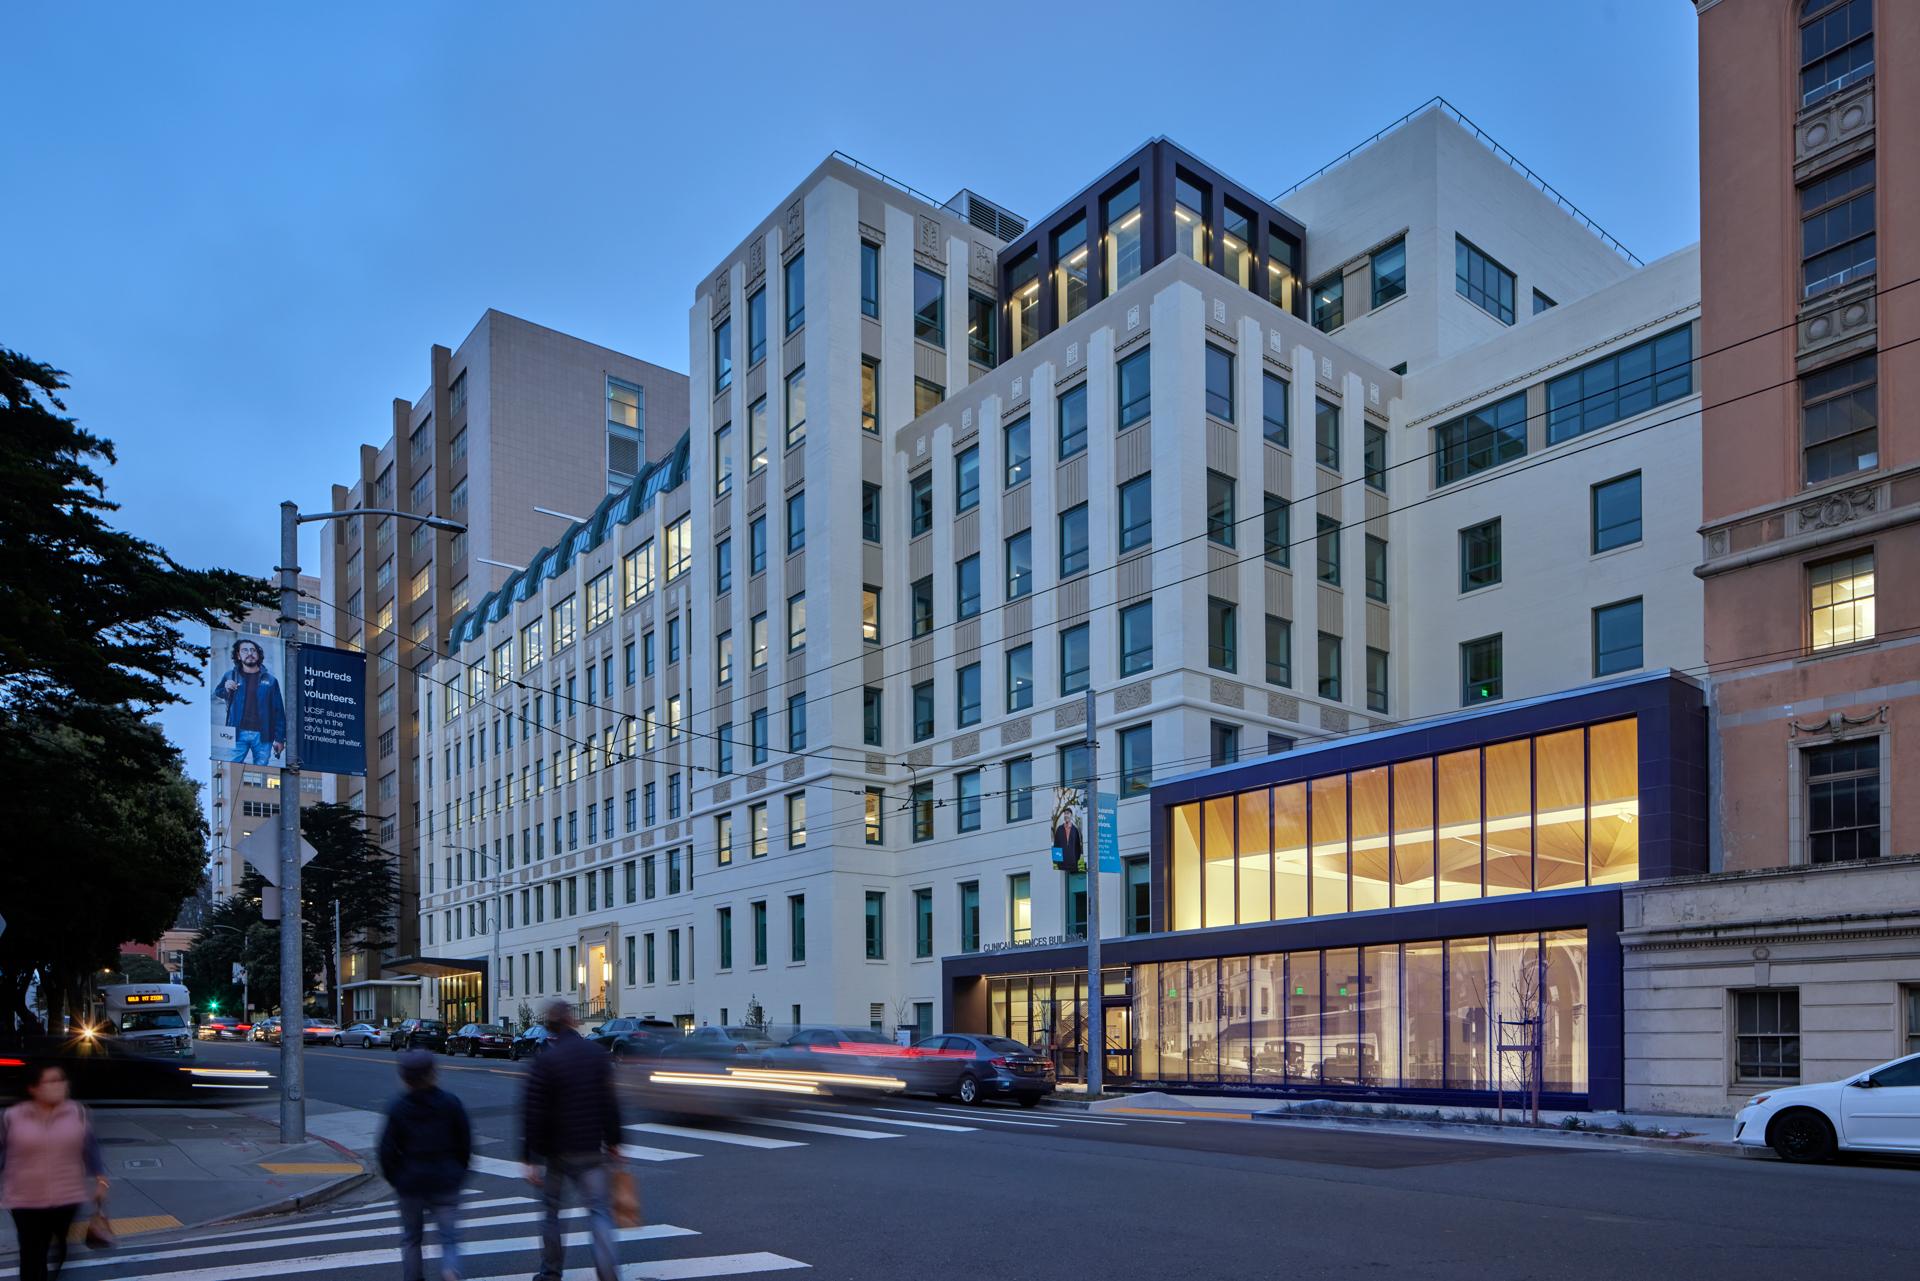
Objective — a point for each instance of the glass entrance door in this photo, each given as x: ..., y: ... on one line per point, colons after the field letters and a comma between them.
x: 1118, y: 1036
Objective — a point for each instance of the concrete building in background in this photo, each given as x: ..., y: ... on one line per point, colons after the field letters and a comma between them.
x: 1799, y: 959
x: 243, y: 797
x: 519, y: 416
x: 689, y: 765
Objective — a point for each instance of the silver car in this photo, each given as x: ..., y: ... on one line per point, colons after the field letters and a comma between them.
x: 362, y: 1036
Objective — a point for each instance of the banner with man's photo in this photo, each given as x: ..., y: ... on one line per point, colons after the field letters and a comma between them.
x: 245, y: 676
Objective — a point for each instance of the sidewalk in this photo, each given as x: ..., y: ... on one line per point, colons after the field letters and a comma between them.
x: 182, y: 1167
x: 1700, y: 1135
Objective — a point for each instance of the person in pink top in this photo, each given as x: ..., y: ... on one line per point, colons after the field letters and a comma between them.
x: 49, y: 1167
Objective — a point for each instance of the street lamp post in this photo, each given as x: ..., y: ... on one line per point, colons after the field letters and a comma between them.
x: 493, y: 927
x: 293, y: 1103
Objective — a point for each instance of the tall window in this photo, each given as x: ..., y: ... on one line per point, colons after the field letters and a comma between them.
x: 1480, y: 670
x: 1843, y: 801
x: 797, y: 927
x: 1020, y: 678
x: 1840, y: 419
x: 1376, y: 679
x: 1480, y: 554
x: 756, y: 327
x: 1139, y: 896
x: 1277, y: 522
x: 869, y: 279
x: 923, y: 923
x: 870, y: 395
x: 1072, y: 269
x: 1766, y: 1041
x: 872, y: 718
x: 1328, y: 303
x: 929, y: 306
x: 966, y: 695
x: 1628, y: 382
x: 759, y: 918
x: 966, y: 479
x: 1279, y: 651
x: 919, y: 504
x: 920, y: 601
x: 1326, y: 434
x: 1223, y: 740
x: 1376, y: 568
x: 920, y: 803
x: 967, y: 798
x: 1618, y: 632
x: 1136, y: 388
x: 1073, y: 541
x: 1136, y: 760
x: 1074, y: 659
x: 870, y: 512
x: 1236, y: 244
x: 757, y: 434
x: 876, y: 925
x: 970, y: 916
x: 1136, y: 638
x: 1020, y: 908
x: 1023, y: 301
x: 1330, y: 674
x: 873, y: 822
x: 1220, y: 514
x: 1273, y: 408
x: 1373, y: 460
x: 796, y: 406
x: 983, y: 330
x: 1836, y: 46
x: 870, y: 614
x: 1019, y: 789
x: 1073, y: 421
x: 1019, y: 556
x: 923, y: 711
x: 1223, y: 634
x: 1842, y: 600
x: 1219, y: 383
x: 722, y: 356
x: 1189, y: 220
x: 1390, y: 271
x: 1482, y: 281
x: 927, y: 396
x: 1136, y: 512
x: 795, y: 278
x: 1122, y: 211
x: 1018, y: 442
x: 1327, y: 549
x: 1616, y: 512
x: 797, y: 522
x: 723, y: 461
x: 1837, y: 241
x: 797, y: 821
x: 723, y: 924
x: 1487, y: 437
x: 757, y: 545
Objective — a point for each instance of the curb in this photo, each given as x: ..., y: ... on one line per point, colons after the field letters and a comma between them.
x: 309, y: 1199
x: 1517, y: 1135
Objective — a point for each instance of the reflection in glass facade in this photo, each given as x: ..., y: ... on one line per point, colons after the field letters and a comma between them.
x: 1418, y: 1015
x: 1553, y: 811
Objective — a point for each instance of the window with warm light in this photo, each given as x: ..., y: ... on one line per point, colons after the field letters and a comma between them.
x: 1842, y: 600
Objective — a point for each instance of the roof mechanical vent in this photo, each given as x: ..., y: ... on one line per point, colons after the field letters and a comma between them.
x: 987, y: 216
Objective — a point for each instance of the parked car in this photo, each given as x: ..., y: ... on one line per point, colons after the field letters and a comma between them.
x: 634, y: 1038
x: 976, y: 1068
x: 730, y: 1044
x: 361, y: 1036
x: 267, y: 1029
x: 1873, y: 1111
x: 480, y: 1038
x: 319, y: 1032
x: 418, y: 1034
x: 529, y: 1042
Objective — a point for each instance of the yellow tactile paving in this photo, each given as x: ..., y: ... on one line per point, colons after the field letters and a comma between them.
x: 310, y: 1167
x: 132, y: 1225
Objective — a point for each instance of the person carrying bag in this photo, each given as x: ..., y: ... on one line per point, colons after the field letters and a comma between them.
x: 48, y: 1158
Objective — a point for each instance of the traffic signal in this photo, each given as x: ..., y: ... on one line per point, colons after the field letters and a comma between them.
x: 213, y: 1007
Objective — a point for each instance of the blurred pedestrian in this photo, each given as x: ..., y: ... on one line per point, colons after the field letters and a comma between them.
x: 49, y: 1167
x: 570, y: 1134
x: 424, y: 1150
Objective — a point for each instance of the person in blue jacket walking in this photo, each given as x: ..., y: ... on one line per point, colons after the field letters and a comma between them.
x: 256, y: 712
x: 424, y: 1151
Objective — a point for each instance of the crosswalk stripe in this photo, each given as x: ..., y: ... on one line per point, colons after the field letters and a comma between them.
x: 995, y: 1120
x: 714, y: 1136
x: 369, y: 1258
x: 640, y: 1152
x: 707, y: 1265
x: 890, y: 1119
x: 368, y: 1214
x: 810, y: 1127
x: 1051, y: 1119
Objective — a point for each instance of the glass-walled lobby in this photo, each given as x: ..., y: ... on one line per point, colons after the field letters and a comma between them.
x: 1542, y: 812
x: 1422, y: 913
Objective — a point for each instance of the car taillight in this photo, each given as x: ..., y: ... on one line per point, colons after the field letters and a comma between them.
x: 997, y: 1062
x: 243, y: 1027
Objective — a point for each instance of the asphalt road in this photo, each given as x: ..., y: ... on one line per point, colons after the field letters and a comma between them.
x: 913, y: 1187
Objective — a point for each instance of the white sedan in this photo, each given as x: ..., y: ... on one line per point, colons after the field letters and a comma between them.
x: 1873, y: 1111
x: 363, y: 1035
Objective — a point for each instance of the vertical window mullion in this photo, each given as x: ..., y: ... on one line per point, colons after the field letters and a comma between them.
x: 1483, y: 820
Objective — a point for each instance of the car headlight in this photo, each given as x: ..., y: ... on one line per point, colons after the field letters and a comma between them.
x: 1757, y: 1100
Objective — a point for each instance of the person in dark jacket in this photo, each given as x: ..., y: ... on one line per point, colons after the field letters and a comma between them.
x: 424, y: 1150
x: 570, y: 1134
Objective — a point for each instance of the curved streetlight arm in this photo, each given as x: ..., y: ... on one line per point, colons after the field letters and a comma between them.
x: 308, y: 518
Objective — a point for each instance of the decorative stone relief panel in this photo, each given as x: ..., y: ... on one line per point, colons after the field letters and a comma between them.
x: 1833, y: 325
x: 1837, y: 509
x: 1832, y: 129
x: 876, y: 764
x: 757, y: 256
x: 723, y: 791
x: 1226, y: 693
x: 1133, y: 316
x: 920, y: 757
x: 983, y: 263
x: 756, y: 780
x: 793, y: 768
x: 965, y: 745
x: 1333, y: 718
x: 796, y: 221
x: 1128, y: 697
x: 1067, y: 714
x: 1017, y: 730
x: 930, y: 238
x: 1283, y: 707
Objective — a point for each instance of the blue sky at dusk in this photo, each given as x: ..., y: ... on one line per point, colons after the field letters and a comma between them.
x: 239, y: 228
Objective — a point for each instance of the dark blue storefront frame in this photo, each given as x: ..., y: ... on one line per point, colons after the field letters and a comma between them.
x: 1671, y: 726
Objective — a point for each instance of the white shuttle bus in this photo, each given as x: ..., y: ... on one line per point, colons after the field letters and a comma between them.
x: 155, y: 1018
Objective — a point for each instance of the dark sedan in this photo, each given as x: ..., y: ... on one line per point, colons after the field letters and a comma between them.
x: 635, y: 1038
x: 728, y: 1044
x: 481, y: 1038
x: 420, y: 1034
x: 974, y: 1069
x: 529, y: 1042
